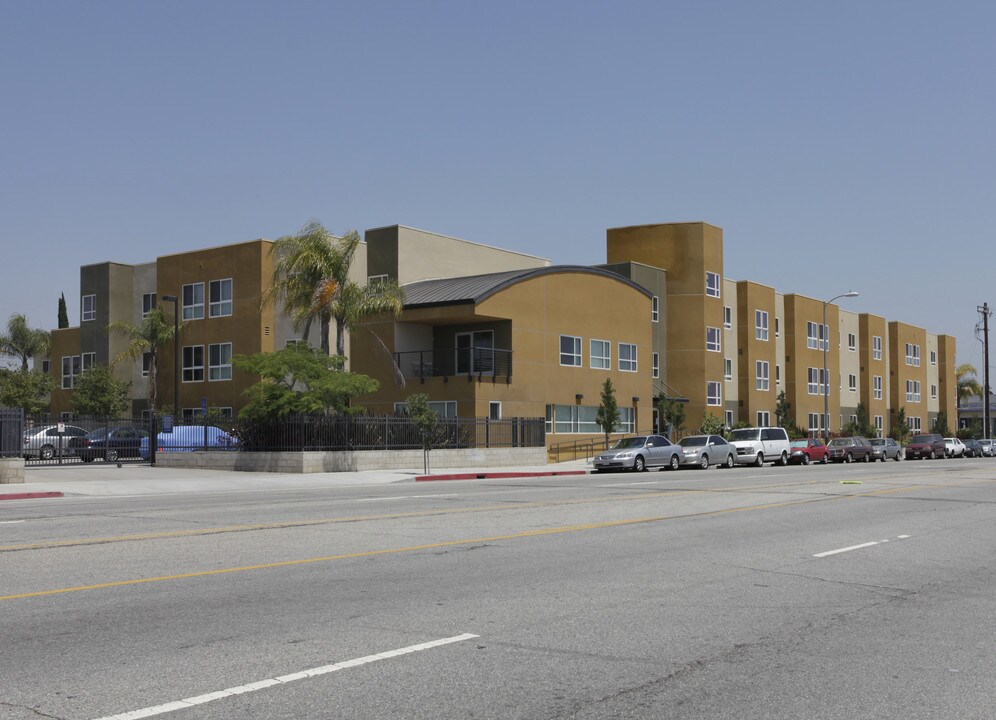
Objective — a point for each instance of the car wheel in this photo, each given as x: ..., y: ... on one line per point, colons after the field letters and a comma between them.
x: 47, y: 452
x: 824, y: 459
x: 704, y: 461
x: 784, y: 459
x: 805, y: 459
x: 729, y: 461
x: 899, y: 456
x: 639, y: 465
x: 849, y: 458
x: 933, y: 455
x: 112, y: 456
x: 675, y: 462
x: 759, y: 460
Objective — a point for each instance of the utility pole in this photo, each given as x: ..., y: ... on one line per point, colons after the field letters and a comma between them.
x: 985, y: 368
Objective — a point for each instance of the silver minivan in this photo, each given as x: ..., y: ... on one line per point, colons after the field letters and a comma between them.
x: 758, y: 445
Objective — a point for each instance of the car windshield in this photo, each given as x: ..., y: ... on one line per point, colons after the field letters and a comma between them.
x: 840, y: 442
x: 97, y: 434
x: 878, y: 441
x: 922, y: 439
x: 800, y: 443
x: 696, y: 441
x: 633, y: 442
x: 746, y: 434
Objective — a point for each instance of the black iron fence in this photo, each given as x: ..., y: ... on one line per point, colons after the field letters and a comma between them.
x: 11, y: 430
x: 47, y: 440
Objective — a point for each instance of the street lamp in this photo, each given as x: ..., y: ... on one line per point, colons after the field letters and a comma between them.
x: 176, y: 353
x: 826, y: 380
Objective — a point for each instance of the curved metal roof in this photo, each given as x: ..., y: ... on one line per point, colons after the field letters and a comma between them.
x: 477, y: 288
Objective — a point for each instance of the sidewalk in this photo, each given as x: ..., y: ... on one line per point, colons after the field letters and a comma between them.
x: 100, y: 480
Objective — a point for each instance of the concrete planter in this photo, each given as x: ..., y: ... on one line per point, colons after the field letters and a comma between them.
x: 11, y: 470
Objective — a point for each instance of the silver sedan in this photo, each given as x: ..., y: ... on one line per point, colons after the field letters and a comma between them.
x: 704, y: 450
x: 639, y: 453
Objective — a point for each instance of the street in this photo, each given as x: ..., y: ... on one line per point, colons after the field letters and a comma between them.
x: 859, y: 591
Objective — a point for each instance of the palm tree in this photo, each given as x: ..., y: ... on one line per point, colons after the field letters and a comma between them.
x: 23, y: 342
x: 148, y: 337
x: 965, y: 378
x: 311, y: 279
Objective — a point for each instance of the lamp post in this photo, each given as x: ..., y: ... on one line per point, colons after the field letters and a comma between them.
x: 176, y: 352
x: 826, y: 380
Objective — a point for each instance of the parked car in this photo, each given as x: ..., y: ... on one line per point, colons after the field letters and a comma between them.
x: 108, y: 443
x: 758, y: 445
x: 639, y: 453
x: 850, y: 449
x: 988, y: 447
x: 804, y: 452
x: 187, y: 438
x: 886, y: 449
x: 45, y: 442
x: 926, y: 445
x: 954, y: 447
x: 705, y: 450
x: 973, y: 448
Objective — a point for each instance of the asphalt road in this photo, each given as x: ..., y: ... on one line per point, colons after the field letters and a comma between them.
x: 861, y: 591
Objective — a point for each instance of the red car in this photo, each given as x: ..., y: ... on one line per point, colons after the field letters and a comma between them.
x: 807, y: 451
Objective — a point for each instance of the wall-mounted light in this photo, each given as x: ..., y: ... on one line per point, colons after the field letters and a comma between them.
x: 578, y: 398
x: 635, y: 399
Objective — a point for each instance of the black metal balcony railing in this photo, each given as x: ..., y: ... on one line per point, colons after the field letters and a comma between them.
x: 472, y: 362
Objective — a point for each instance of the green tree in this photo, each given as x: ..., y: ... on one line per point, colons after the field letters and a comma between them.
x: 861, y: 424
x: 608, y: 414
x: 155, y: 331
x: 711, y: 425
x: 782, y: 409
x: 300, y: 379
x: 311, y: 281
x: 967, y: 383
x: 99, y: 394
x: 900, y: 430
x: 23, y: 342
x: 672, y: 412
x: 941, y: 425
x: 28, y: 390
x: 63, y: 313
x: 426, y: 421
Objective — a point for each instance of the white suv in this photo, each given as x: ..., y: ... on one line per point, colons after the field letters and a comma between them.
x: 756, y: 446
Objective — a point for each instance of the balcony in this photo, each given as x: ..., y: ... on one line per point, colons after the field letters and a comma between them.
x: 475, y: 362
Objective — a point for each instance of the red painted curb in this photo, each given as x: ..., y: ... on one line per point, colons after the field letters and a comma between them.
x: 30, y: 495
x: 482, y: 476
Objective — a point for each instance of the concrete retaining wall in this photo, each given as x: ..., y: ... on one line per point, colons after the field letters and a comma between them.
x: 11, y: 470
x: 320, y: 462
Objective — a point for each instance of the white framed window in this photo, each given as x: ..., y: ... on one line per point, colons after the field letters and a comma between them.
x: 914, y: 423
x: 876, y: 347
x: 600, y: 354
x: 912, y: 391
x: 933, y: 392
x: 627, y: 420
x: 760, y: 324
x: 761, y: 376
x: 817, y: 336
x: 494, y: 410
x: 878, y: 425
x: 714, y: 340
x: 714, y: 393
x: 933, y: 357
x: 71, y: 368
x: 374, y: 280
x: 220, y: 298
x: 727, y: 316
x: 728, y: 368
x: 852, y: 342
x: 712, y: 284
x: 656, y: 360
x: 817, y: 381
x: 88, y: 308
x: 778, y: 332
x: 814, y: 421
x: 193, y: 301
x: 570, y: 351
x: 627, y: 357
x: 763, y: 418
x: 778, y: 374
x: 655, y: 309
x: 912, y: 355
x: 148, y: 304
x: 193, y: 363
x: 877, y: 387
x: 88, y: 360
x: 146, y: 363
x: 852, y: 383
x: 220, y: 361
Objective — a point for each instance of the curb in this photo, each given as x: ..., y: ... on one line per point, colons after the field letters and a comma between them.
x: 486, y: 475
x: 30, y: 495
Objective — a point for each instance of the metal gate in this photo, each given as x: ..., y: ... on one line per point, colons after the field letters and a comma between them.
x: 82, y: 441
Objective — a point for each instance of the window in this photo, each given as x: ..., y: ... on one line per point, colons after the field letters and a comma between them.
x: 193, y: 301
x: 761, y: 324
x: 627, y: 357
x: 778, y: 374
x: 728, y: 368
x: 713, y: 340
x: 475, y: 352
x: 816, y: 336
x: 729, y: 418
x: 148, y: 304
x: 777, y: 326
x: 761, y: 380
x: 852, y: 383
x: 88, y: 360
x: 912, y: 355
x: 852, y: 342
x: 877, y: 347
x: 933, y: 357
x: 912, y: 391
x: 580, y: 418
x: 442, y: 408
x: 714, y: 393
x: 814, y: 421
x: 220, y: 298
x: 712, y: 284
x: 656, y: 367
x: 570, y: 351
x: 727, y: 316
x: 374, y: 280
x: 817, y: 382
x: 878, y: 425
x: 494, y: 410
x: 220, y: 361
x: 914, y: 423
x: 600, y: 354
x: 88, y: 308
x: 627, y: 420
x: 655, y: 309
x: 193, y: 363
x: 763, y: 418
x: 146, y: 363
x: 46, y: 366
x: 70, y: 370
x: 933, y: 392
x: 877, y: 387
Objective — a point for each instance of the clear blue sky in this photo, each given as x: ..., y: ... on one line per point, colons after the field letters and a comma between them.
x: 838, y: 145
